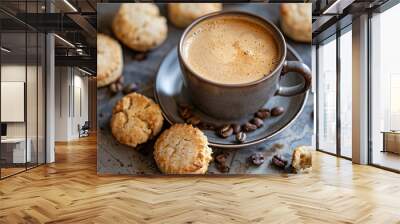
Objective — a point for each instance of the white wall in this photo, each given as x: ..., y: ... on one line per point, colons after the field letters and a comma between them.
x: 33, y: 127
x: 69, y: 85
x: 14, y: 73
x: 61, y: 104
x: 17, y: 73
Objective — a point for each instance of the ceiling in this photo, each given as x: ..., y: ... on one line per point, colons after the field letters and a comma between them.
x: 329, y: 16
x: 74, y: 21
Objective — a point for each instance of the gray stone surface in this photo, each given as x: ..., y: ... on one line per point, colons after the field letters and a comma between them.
x: 113, y: 158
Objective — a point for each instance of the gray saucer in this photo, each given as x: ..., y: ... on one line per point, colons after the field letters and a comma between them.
x: 170, y: 92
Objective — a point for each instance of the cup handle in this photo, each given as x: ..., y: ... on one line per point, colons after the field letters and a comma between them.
x: 300, y: 69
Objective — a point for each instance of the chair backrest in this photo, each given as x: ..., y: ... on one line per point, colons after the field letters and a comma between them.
x: 86, y: 125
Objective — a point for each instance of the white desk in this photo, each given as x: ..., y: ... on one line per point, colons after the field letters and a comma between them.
x: 18, y: 150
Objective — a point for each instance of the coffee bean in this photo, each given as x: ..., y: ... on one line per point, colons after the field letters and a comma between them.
x: 223, y: 168
x: 221, y: 158
x: 185, y: 112
x: 194, y: 120
x: 120, y: 86
x: 278, y: 161
x: 236, y: 128
x: 276, y: 111
x: 225, y: 131
x: 249, y: 127
x: 132, y: 87
x: 257, y: 122
x: 281, y: 159
x: 257, y: 159
x: 263, y: 113
x: 241, y: 137
x: 115, y: 87
x: 220, y: 162
x: 121, y: 79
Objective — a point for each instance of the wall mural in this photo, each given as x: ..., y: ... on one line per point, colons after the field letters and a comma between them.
x: 224, y: 94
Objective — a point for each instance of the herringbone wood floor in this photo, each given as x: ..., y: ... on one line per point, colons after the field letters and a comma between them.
x: 69, y: 191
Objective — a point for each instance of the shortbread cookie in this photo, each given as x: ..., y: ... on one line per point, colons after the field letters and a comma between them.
x: 296, y: 21
x: 135, y: 119
x: 140, y: 26
x: 301, y: 160
x: 109, y: 60
x: 182, y: 14
x: 182, y: 149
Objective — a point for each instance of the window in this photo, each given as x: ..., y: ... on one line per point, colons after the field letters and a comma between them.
x: 327, y: 97
x: 22, y: 75
x: 385, y: 89
x: 335, y: 74
x: 346, y: 94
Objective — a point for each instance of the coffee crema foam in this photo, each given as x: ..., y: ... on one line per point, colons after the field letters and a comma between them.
x: 231, y: 50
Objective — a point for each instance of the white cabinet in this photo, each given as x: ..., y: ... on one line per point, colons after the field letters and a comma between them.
x: 16, y: 147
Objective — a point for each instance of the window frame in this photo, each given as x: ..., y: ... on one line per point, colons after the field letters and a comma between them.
x: 31, y: 30
x: 336, y: 36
